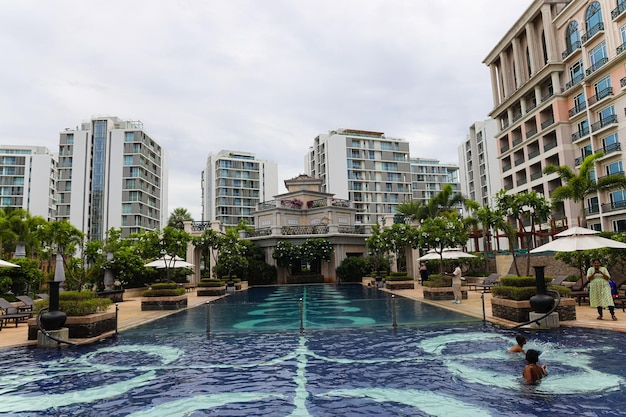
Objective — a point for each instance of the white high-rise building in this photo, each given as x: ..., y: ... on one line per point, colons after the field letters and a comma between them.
x: 111, y: 174
x: 27, y: 179
x: 429, y: 176
x: 479, y: 169
x: 368, y: 168
x: 233, y: 183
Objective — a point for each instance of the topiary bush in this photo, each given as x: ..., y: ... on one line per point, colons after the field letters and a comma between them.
x: 210, y: 282
x: 436, y: 280
x: 306, y: 279
x: 399, y: 276
x: 352, y: 269
x: 164, y: 289
x: 78, y: 303
x: 522, y: 288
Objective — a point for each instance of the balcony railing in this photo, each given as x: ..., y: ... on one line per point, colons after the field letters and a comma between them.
x: 505, y: 168
x: 596, y: 66
x: 577, y: 108
x: 521, y: 181
x: 550, y: 145
x: 621, y: 6
x: 622, y: 82
x: 575, y: 81
x: 536, y: 175
x: 580, y: 134
x: 620, y: 173
x: 516, y: 117
x: 547, y: 123
x: 604, y: 122
x: 531, y: 132
x: 547, y: 96
x: 570, y: 50
x: 504, y: 148
x: 593, y: 209
x: 617, y: 205
x: 519, y: 161
x: 304, y: 230
x: 621, y: 48
x: 517, y: 141
x: 533, y: 154
x: 613, y: 147
x: 597, y: 28
x: 508, y: 186
x: 532, y: 105
x: 263, y: 231
x: 601, y: 94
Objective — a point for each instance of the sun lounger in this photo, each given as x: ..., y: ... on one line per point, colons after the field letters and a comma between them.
x: 490, y: 281
x: 558, y: 280
x: 10, y: 312
x: 579, y: 292
x: 28, y: 302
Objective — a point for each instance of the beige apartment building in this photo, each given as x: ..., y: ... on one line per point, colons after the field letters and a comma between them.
x: 558, y: 81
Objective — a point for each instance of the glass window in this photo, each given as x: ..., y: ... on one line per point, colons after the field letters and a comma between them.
x: 618, y: 197
x: 622, y: 31
x: 598, y: 53
x: 128, y: 160
x: 576, y: 71
x: 614, y: 168
x: 579, y: 101
x: 572, y: 37
x: 610, y: 140
x: 593, y: 16
x: 607, y: 113
x: 127, y: 208
x: 129, y: 136
x: 619, y: 225
x: 70, y: 139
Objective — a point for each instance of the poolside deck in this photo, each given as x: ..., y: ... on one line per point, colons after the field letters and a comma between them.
x: 130, y: 315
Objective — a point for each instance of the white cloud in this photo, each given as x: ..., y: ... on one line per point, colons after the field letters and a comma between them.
x: 259, y: 76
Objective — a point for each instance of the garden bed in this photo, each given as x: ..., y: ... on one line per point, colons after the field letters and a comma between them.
x: 517, y: 311
x: 82, y: 327
x: 171, y: 302
x: 442, y: 293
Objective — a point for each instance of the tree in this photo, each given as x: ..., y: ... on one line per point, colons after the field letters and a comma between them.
x: 377, y: 246
x: 444, y: 231
x: 446, y: 201
x: 577, y: 187
x: 397, y: 238
x: 489, y: 219
x: 178, y: 217
x: 208, y: 243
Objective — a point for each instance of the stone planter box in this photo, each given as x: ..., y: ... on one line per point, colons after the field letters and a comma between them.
x: 164, y: 303
x: 210, y: 291
x: 116, y: 296
x: 442, y: 293
x: 400, y: 285
x: 82, y: 327
x: 517, y: 311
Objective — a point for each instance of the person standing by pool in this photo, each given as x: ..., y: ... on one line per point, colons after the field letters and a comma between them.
x: 423, y: 272
x: 532, y: 372
x: 599, y: 289
x: 456, y: 283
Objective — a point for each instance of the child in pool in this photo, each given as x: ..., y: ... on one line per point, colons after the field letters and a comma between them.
x: 521, y: 341
x: 532, y: 372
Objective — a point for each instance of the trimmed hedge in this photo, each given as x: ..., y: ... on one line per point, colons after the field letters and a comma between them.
x: 522, y: 288
x: 306, y: 279
x: 436, y: 280
x: 163, y: 289
x: 78, y: 303
x: 204, y: 282
x: 399, y: 278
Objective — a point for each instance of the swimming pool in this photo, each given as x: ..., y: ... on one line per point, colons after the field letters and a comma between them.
x: 349, y: 361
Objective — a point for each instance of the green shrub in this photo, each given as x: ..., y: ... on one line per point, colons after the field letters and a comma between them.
x: 164, y: 286
x: 204, y: 282
x: 572, y: 278
x: 77, y: 295
x: 515, y: 281
x: 524, y: 293
x: 78, y: 303
x: 399, y: 278
x: 398, y: 274
x: 163, y: 292
x: 305, y: 279
x: 436, y: 280
x: 352, y: 269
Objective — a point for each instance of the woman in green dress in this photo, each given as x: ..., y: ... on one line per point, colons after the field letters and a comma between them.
x: 599, y: 289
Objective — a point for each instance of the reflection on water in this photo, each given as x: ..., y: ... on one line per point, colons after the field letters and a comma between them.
x: 442, y: 370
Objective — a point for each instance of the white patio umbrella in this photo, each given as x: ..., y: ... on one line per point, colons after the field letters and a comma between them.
x: 167, y: 261
x: 447, y: 253
x: 577, y: 239
x: 8, y: 264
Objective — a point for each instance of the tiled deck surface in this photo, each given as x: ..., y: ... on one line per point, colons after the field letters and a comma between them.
x: 130, y: 315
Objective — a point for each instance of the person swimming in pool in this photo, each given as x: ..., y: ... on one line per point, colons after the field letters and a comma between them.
x: 532, y: 372
x: 519, y: 347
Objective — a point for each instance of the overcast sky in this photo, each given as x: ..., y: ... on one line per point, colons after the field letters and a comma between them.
x: 263, y: 76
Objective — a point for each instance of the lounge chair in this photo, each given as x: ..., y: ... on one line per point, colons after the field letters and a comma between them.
x: 28, y: 306
x: 579, y: 292
x: 558, y: 280
x: 490, y: 281
x: 43, y: 296
x: 10, y: 312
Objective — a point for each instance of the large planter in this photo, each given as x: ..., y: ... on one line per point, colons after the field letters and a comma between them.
x: 116, y: 296
x: 517, y: 311
x: 442, y: 293
x: 400, y: 285
x: 172, y: 302
x: 82, y: 327
x: 211, y: 291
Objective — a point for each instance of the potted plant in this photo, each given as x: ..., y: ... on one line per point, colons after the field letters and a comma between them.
x: 439, y: 287
x: 87, y: 314
x: 399, y: 281
x: 164, y: 296
x: 211, y: 287
x: 511, y: 299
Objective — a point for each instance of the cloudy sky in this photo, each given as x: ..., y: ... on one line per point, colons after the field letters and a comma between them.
x: 264, y: 76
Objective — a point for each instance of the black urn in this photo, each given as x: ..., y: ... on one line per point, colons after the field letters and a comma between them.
x: 541, y: 302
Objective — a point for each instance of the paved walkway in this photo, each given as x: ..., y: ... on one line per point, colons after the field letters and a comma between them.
x: 130, y: 315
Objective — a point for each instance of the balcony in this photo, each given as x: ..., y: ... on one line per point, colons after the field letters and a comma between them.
x: 621, y: 48
x: 577, y: 109
x: 519, y: 161
x: 531, y: 132
x: 521, y: 182
x: 575, y: 81
x: 531, y: 106
x: 575, y: 46
x: 617, y: 205
x: 505, y: 168
x: 599, y: 27
x: 622, y: 82
x: 550, y: 145
x: 536, y: 175
x: 596, y: 66
x: 593, y: 209
x: 604, y: 122
x: 547, y: 123
x: 504, y: 148
x: 621, y: 7
x: 547, y: 96
x: 517, y: 116
x: 613, y: 147
x: 601, y: 95
x: 517, y: 141
x: 580, y: 134
x: 533, y: 154
x: 508, y: 186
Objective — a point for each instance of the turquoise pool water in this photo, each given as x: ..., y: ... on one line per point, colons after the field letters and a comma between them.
x: 349, y: 361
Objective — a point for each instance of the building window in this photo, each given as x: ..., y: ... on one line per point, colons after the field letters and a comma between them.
x: 129, y: 136
x: 597, y: 54
x: 572, y: 37
x: 70, y: 139
x: 128, y: 160
x: 614, y: 168
x: 576, y: 72
x: 607, y: 113
x: 619, y: 225
x: 593, y: 16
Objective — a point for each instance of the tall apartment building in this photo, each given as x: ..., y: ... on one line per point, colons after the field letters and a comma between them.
x: 27, y: 179
x: 233, y: 183
x: 558, y: 82
x: 368, y: 168
x: 111, y: 174
x: 478, y: 163
x: 428, y: 176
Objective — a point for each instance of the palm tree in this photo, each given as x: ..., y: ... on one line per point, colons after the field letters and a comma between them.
x: 444, y: 202
x: 178, y: 217
x: 489, y: 219
x: 577, y: 187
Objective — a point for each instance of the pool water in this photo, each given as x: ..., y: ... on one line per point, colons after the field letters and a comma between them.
x: 348, y: 361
